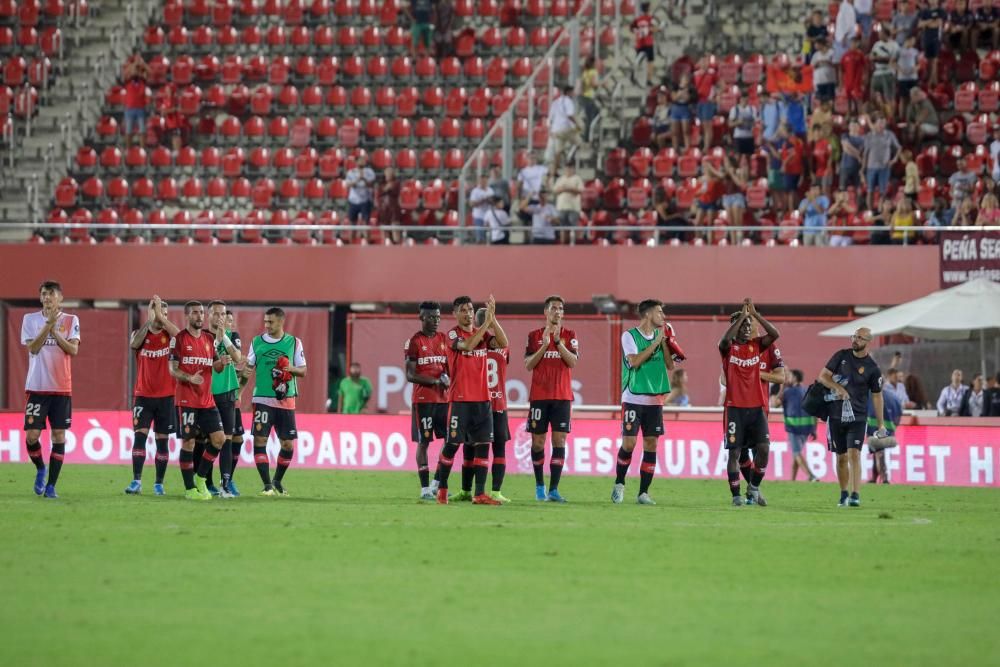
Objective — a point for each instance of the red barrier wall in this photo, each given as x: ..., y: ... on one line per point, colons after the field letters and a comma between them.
x: 880, y: 275
x: 928, y: 454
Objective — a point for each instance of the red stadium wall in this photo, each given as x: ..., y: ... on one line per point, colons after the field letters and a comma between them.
x: 935, y: 452
x: 270, y: 274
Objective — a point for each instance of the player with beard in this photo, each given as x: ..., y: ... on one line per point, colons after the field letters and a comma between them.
x: 238, y: 430
x: 153, y: 402
x: 426, y: 357
x: 225, y: 387
x: 744, y: 417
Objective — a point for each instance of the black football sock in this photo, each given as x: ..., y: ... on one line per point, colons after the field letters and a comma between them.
x: 445, y: 462
x: 207, y: 459
x: 746, y: 464
x: 35, y: 454
x: 226, y: 462
x: 481, y: 466
x: 187, y: 468
x: 499, y: 468
x: 162, y: 458
x: 56, y: 461
x: 138, y: 455
x: 237, y: 449
x: 468, y: 466
x: 424, y: 473
x: 624, y: 461
x: 538, y: 463
x: 760, y: 467
x: 646, y: 470
x: 284, y: 460
x: 556, y: 467
x: 734, y: 483
x: 198, y: 452
x: 263, y: 466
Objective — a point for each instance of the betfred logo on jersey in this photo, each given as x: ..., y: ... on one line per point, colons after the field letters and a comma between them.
x: 434, y: 359
x: 196, y: 361
x: 474, y: 353
x: 552, y: 355
x: 744, y: 363
x: 154, y: 354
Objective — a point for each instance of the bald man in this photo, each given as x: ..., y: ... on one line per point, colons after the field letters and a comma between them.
x: 852, y: 374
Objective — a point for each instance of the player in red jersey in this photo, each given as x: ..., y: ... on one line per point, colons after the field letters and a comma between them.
x: 426, y: 356
x: 470, y: 419
x: 192, y: 360
x: 550, y: 355
x: 153, y: 402
x: 497, y: 359
x: 744, y: 418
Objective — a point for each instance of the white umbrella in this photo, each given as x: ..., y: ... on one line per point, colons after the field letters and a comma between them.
x: 956, y: 313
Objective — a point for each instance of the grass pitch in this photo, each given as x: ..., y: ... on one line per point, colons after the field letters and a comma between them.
x: 352, y: 570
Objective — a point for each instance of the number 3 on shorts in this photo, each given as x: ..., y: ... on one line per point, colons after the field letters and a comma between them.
x: 732, y: 428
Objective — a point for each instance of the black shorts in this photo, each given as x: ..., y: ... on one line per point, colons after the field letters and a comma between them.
x: 266, y: 417
x: 501, y: 429
x: 904, y: 86
x: 428, y: 422
x: 238, y: 421
x: 745, y: 427
x: 470, y: 422
x: 846, y: 435
x: 158, y: 412
x: 227, y: 411
x: 646, y: 51
x: 826, y: 91
x: 647, y: 418
x: 544, y: 414
x: 57, y: 409
x: 744, y: 145
x: 203, y: 421
x: 932, y: 48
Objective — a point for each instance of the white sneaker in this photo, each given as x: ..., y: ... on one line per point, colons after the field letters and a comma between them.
x: 427, y: 494
x: 435, y: 484
x: 644, y: 499
x: 618, y: 494
x: 224, y: 493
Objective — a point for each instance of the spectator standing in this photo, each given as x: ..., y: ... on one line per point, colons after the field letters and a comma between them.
x: 500, y: 187
x: 564, y: 129
x: 734, y: 201
x: 481, y: 200
x: 705, y: 79
x: 568, y: 190
x: 799, y: 426
x: 360, y: 180
x: 682, y: 96
x: 824, y: 71
x: 136, y: 99
x: 742, y: 118
x: 814, y: 215
x: 904, y: 21
x: 795, y: 115
x: 844, y: 28
x: 881, y: 152
x: 961, y: 22
x: 853, y: 67
x: 884, y: 55
x: 530, y: 181
x: 822, y: 162
x: 499, y: 223
x: 775, y: 148
x: 839, y: 217
x: 590, y: 82
x: 922, y: 120
x: 421, y: 13
x: 444, y: 27
x: 991, y: 397
x: 852, y: 146
x: 863, y: 15
x: 911, y: 176
x: 543, y: 220
x: 972, y: 403
x: 771, y: 115
x: 816, y: 32
x: 710, y: 194
x: 354, y: 392
x: 792, y: 167
x: 644, y: 28
x: 895, y: 384
x: 988, y: 26
x: 950, y: 400
x: 661, y: 121
x: 907, y: 72
x: 962, y: 183
x: 389, y: 212
x: 931, y: 23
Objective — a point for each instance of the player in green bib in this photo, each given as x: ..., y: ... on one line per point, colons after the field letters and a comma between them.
x: 277, y: 360
x: 225, y: 390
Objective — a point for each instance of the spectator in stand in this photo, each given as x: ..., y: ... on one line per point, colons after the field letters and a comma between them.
x: 863, y: 15
x: 530, y: 181
x: 814, y: 210
x: 662, y: 126
x: 816, y: 32
x: 972, y: 402
x: 881, y: 152
x: 568, y: 190
x: 360, y: 179
x: 995, y: 153
x: 710, y: 194
x: 902, y: 219
x: 667, y: 215
x: 821, y: 121
x: 176, y: 125
x: 941, y: 216
x: 962, y: 183
x: 895, y: 383
x: 136, y: 99
x: 444, y: 27
x: 987, y: 26
x: 678, y: 395
x: 853, y: 67
x: 965, y: 216
x: 931, y: 23
x: 991, y: 397
x: 799, y: 426
x: 742, y: 118
x: 734, y: 201
x: 590, y: 82
x: 389, y: 211
x: 883, y: 220
x: 481, y: 200
x: 907, y: 73
x: 705, y: 79
x: 824, y: 71
x: 844, y: 29
x: 771, y: 115
x: 500, y: 187
x: 544, y: 219
x: 839, y: 219
x: 904, y: 21
x: 884, y: 54
x: 822, y: 163
x: 775, y: 148
x: 421, y: 13
x: 681, y: 98
x: 499, y: 223
x: 793, y: 155
x: 644, y: 29
x: 950, y: 400
x: 988, y: 214
x: 852, y: 146
x: 915, y: 388
x: 564, y: 129
x: 795, y: 115
x: 911, y: 178
x: 960, y: 25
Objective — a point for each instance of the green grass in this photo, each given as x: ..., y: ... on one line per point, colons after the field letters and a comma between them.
x: 352, y: 570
